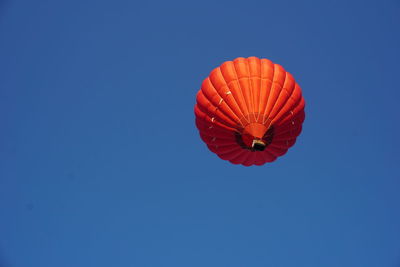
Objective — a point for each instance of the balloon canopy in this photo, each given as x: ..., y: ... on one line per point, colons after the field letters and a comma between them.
x: 249, y: 111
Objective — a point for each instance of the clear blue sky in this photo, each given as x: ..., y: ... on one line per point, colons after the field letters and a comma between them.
x: 87, y: 87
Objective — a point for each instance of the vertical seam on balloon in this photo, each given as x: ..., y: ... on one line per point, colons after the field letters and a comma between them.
x: 248, y: 158
x: 205, y: 109
x: 259, y: 93
x: 250, y: 80
x: 241, y: 152
x: 209, y: 106
x: 271, y: 152
x: 295, y: 104
x: 287, y: 103
x: 269, y: 93
x: 235, y: 118
x: 276, y: 101
x: 279, y: 133
x: 278, y: 151
x: 233, y: 95
x: 269, y: 97
x: 215, y: 89
x: 260, y: 99
x: 258, y: 159
x: 267, y: 154
x: 241, y: 91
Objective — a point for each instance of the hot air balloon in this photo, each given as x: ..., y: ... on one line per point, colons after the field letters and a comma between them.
x: 249, y: 111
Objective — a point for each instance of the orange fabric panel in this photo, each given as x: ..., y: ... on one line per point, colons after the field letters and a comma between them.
x: 249, y: 111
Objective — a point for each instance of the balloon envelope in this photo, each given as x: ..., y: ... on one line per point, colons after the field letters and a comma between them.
x: 249, y: 111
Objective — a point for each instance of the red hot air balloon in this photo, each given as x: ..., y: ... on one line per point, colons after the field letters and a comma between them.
x: 249, y: 111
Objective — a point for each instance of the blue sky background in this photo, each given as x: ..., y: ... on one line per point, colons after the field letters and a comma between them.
x: 87, y: 87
